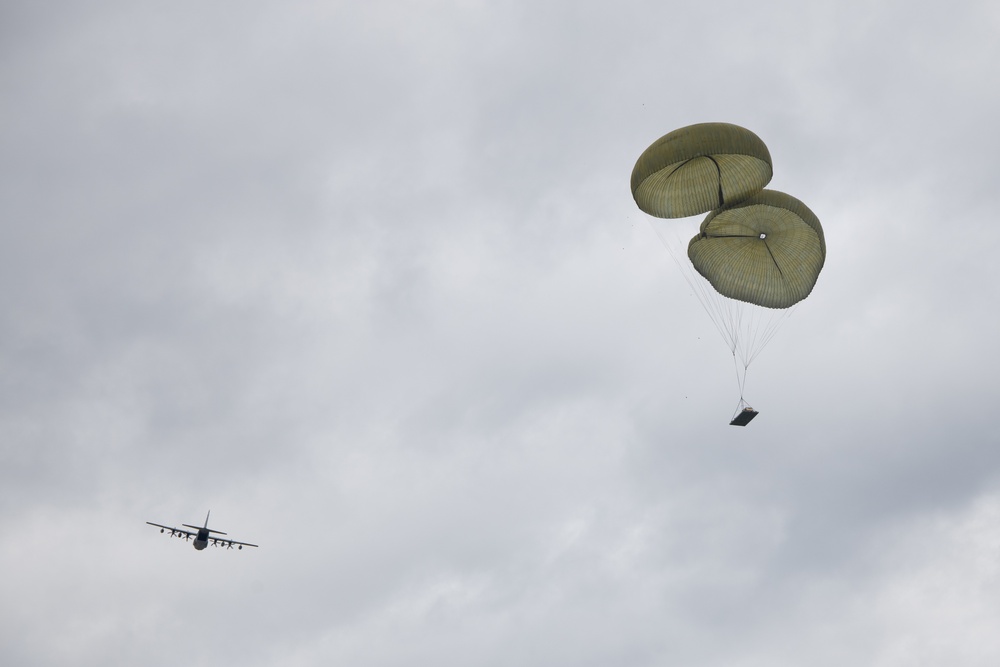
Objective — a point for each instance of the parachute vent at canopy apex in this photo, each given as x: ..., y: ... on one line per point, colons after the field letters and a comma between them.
x: 767, y: 250
x: 699, y: 168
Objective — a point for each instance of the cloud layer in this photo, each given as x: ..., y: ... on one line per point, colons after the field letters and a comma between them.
x: 367, y: 282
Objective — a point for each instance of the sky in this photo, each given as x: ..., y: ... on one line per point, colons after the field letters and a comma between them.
x: 366, y: 280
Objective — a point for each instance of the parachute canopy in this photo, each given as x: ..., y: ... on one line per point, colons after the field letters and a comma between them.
x: 698, y: 168
x: 756, y: 254
x: 767, y: 250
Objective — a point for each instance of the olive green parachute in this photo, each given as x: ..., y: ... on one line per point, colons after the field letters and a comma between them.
x: 698, y: 168
x: 757, y: 253
x: 767, y: 250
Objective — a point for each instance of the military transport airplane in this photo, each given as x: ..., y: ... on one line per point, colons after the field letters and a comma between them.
x: 202, y: 537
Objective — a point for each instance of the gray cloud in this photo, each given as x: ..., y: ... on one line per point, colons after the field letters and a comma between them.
x: 368, y: 283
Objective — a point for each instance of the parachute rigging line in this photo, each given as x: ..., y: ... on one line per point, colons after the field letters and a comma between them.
x: 745, y: 328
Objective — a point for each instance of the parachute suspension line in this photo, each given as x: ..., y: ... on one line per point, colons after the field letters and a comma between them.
x: 744, y: 328
x: 741, y: 382
x: 701, y: 287
x: 764, y: 330
x: 754, y: 328
x: 741, y: 375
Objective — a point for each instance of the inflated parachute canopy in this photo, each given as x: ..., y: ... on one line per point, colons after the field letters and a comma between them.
x: 699, y: 168
x: 767, y: 250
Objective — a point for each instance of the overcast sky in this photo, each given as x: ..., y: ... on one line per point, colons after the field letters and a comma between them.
x: 366, y: 280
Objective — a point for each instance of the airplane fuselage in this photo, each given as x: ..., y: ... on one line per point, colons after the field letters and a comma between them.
x: 201, y: 541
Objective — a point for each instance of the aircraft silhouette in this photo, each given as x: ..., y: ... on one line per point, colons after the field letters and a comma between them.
x: 202, y: 538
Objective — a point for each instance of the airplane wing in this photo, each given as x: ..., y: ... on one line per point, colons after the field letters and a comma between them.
x: 219, y: 542
x: 179, y: 532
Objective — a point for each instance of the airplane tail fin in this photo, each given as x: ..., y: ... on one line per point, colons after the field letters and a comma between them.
x: 205, y: 527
